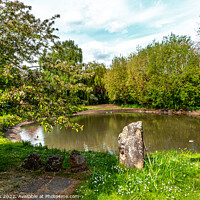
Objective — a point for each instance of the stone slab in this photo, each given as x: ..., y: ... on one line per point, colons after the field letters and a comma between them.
x: 59, y: 184
x: 34, y: 186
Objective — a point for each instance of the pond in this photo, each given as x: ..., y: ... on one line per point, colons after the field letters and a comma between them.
x: 161, y: 132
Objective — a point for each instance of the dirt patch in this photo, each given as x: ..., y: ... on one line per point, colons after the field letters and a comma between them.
x: 110, y: 108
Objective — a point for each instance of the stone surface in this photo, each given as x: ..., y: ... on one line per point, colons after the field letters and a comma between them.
x: 33, y: 162
x: 59, y: 184
x: 54, y: 163
x: 46, y: 188
x: 34, y: 186
x: 131, y: 146
x: 78, y: 162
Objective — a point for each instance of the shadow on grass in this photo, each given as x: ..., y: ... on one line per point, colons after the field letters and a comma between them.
x: 195, y: 159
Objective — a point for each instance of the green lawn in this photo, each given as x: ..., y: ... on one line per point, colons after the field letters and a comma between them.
x: 172, y: 175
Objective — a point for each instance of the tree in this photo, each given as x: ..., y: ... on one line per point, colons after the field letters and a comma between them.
x: 48, y: 94
x: 137, y: 78
x: 22, y: 36
x: 198, y: 42
x: 115, y: 80
x: 96, y: 82
x: 42, y: 95
x: 66, y: 51
x: 166, y: 74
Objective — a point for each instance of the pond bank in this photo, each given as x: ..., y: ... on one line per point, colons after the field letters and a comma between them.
x: 101, y: 110
x: 12, y: 133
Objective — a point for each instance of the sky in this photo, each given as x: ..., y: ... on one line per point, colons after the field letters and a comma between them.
x: 104, y: 29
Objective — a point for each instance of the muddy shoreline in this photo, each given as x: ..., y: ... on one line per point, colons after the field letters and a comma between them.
x: 140, y: 110
x: 13, y: 132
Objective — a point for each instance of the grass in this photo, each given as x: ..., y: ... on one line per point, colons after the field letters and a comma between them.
x: 112, y: 106
x: 100, y: 107
x: 132, y: 106
x: 172, y: 175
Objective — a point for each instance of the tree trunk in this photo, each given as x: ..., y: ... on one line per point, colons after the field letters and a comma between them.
x: 125, y: 101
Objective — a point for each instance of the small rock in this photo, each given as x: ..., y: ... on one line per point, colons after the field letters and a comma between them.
x: 78, y: 162
x: 32, y: 162
x: 54, y: 163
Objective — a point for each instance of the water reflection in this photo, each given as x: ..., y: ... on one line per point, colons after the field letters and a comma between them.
x: 33, y: 133
x: 161, y: 132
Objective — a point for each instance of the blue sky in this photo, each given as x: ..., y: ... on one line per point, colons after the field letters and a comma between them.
x: 108, y: 28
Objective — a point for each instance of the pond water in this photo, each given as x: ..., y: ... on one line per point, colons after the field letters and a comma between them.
x: 161, y: 132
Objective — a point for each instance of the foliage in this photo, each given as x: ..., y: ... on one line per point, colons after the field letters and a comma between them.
x: 162, y: 75
x: 115, y: 80
x: 64, y: 51
x: 198, y: 42
x: 8, y: 121
x: 96, y: 82
x: 22, y: 36
x: 42, y: 95
x: 46, y: 94
x: 166, y: 74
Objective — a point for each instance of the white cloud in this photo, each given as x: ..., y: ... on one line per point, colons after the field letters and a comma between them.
x: 82, y: 19
x: 97, y: 51
x: 105, y: 51
x: 110, y: 15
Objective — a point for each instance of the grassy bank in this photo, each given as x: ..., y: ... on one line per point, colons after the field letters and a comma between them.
x: 110, y: 106
x: 122, y: 106
x: 172, y: 175
x: 101, y: 106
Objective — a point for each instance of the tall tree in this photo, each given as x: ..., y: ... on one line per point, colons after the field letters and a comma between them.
x: 66, y: 51
x: 96, y: 82
x: 115, y: 80
x: 198, y: 41
x: 22, y: 36
x: 43, y: 95
x: 166, y: 74
x: 38, y: 94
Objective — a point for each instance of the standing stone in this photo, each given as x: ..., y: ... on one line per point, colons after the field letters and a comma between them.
x: 78, y: 162
x: 54, y: 163
x: 32, y: 162
x: 131, y: 146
